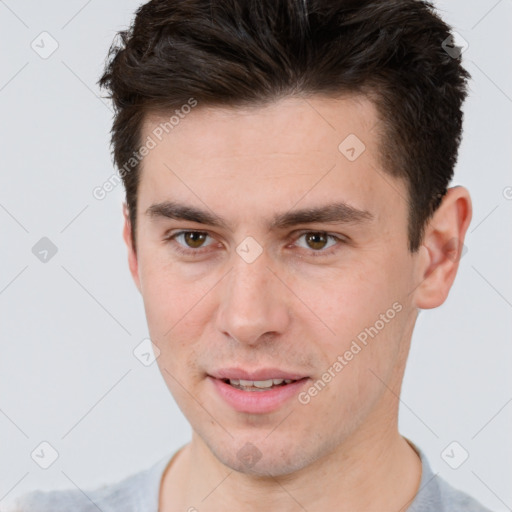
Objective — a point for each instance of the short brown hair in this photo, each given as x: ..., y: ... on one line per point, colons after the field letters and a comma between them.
x: 250, y: 52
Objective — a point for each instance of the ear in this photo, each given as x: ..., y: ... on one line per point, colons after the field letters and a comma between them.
x: 132, y: 256
x: 442, y: 248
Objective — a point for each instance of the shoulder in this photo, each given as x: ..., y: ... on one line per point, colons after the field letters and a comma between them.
x: 57, y: 501
x: 455, y: 499
x: 107, y: 498
x: 436, y: 495
x: 139, y: 491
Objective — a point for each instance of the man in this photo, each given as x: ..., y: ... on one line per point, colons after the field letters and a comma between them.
x: 287, y: 215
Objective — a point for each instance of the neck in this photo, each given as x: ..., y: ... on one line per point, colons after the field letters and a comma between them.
x: 368, y: 473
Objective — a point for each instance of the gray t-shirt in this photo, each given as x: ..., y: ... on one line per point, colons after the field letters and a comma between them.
x: 140, y: 492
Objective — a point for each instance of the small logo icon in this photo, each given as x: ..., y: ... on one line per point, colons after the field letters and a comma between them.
x: 352, y: 147
x: 249, y: 249
x: 44, y: 455
x: 249, y: 454
x: 146, y: 352
x: 44, y: 250
x: 455, y: 45
x: 454, y: 455
x: 44, y: 45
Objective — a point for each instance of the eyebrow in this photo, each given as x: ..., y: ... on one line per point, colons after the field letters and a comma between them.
x: 339, y: 213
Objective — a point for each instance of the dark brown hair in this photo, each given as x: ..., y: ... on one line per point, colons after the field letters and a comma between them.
x: 252, y: 52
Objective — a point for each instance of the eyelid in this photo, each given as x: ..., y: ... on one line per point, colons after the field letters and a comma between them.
x: 341, y: 239
x: 300, y: 232
x: 170, y: 237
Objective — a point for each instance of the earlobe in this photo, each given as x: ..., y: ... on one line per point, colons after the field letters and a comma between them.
x: 442, y: 248
x: 132, y: 256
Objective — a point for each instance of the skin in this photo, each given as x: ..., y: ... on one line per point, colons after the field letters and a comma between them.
x: 289, y: 308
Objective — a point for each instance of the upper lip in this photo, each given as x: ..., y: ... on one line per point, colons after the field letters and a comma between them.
x: 261, y: 374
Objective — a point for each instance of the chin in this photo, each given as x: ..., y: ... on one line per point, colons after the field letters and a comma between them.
x: 266, y: 458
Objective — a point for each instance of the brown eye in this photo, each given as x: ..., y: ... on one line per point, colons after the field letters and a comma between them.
x: 194, y: 239
x: 189, y: 243
x: 316, y: 241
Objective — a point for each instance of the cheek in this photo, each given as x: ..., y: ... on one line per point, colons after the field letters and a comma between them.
x: 348, y: 299
x: 176, y: 317
x: 168, y: 297
x: 365, y: 312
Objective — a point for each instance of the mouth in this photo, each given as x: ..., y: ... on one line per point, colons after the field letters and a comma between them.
x: 258, y: 385
x: 257, y: 396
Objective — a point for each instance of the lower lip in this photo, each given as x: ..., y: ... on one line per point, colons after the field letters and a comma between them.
x: 257, y: 402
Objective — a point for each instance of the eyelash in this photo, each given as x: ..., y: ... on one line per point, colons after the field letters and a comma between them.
x: 199, y: 252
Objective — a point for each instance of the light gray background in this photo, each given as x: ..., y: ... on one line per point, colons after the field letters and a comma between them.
x: 68, y: 327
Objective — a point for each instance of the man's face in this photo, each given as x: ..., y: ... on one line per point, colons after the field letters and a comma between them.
x: 290, y: 298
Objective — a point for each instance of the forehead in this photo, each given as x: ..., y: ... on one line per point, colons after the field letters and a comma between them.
x: 292, y: 125
x: 312, y: 150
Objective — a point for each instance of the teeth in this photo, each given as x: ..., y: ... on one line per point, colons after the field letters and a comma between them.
x: 259, y: 383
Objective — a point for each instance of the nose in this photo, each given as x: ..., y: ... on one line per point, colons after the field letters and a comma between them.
x: 253, y: 302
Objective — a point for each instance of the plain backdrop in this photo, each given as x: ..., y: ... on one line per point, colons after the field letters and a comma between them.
x: 69, y: 326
